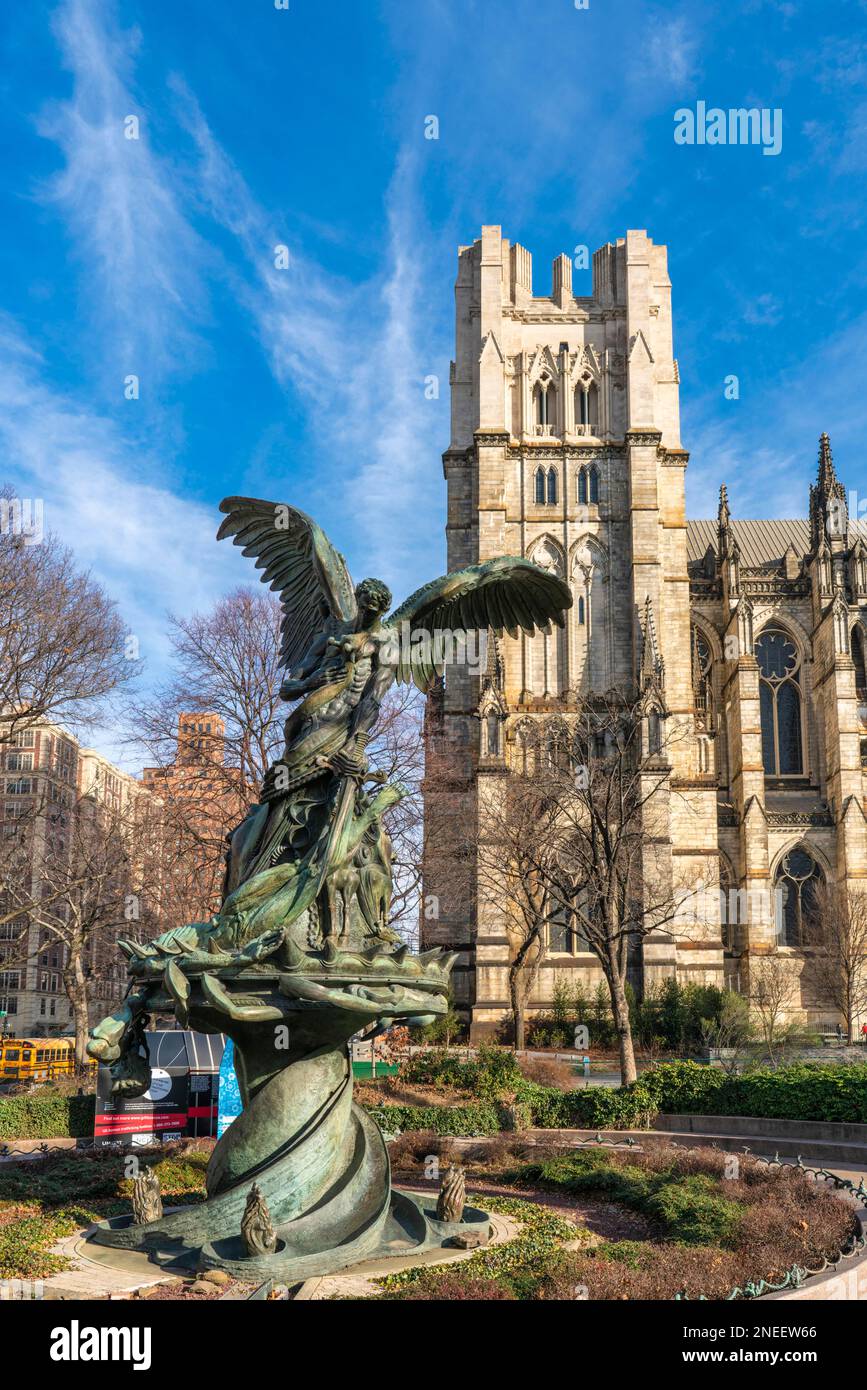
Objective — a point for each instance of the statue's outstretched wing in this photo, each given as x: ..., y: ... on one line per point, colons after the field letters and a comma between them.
x: 299, y: 561
x: 506, y: 594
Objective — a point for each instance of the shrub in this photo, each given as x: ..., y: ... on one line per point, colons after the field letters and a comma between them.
x: 440, y: 1119
x: 46, y: 1116
x: 823, y: 1091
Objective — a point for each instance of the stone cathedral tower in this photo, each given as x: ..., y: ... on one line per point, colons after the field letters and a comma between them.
x: 565, y: 447
x: 749, y: 635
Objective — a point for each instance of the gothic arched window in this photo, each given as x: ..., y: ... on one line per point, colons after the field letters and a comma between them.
x: 559, y: 932
x: 527, y: 747
x: 540, y: 485
x: 552, y: 485
x: 542, y: 402
x: 594, y: 485
x: 582, y: 485
x: 728, y: 907
x: 780, y: 704
x: 581, y: 610
x: 654, y: 733
x: 860, y: 665
x: 702, y: 686
x: 796, y: 881
x: 492, y: 727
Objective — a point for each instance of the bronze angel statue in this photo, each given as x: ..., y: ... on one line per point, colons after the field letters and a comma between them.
x: 309, y: 868
x: 301, y: 955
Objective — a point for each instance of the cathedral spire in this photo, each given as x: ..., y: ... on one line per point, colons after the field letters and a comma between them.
x: 652, y: 666
x: 828, y: 515
x: 723, y: 521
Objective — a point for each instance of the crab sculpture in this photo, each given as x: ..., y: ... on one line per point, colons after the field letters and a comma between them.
x: 301, y: 955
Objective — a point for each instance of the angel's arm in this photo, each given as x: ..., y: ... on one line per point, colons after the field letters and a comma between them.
x: 311, y: 671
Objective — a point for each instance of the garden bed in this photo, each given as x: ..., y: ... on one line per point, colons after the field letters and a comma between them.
x: 651, y: 1225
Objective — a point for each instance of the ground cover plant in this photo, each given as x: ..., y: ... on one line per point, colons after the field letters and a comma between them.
x: 42, y: 1200
x: 710, y: 1225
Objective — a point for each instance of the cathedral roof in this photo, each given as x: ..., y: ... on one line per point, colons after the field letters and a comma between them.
x: 762, y: 544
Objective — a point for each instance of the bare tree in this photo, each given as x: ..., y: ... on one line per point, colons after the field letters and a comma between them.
x: 98, y: 878
x: 512, y: 837
x: 836, y: 927
x: 225, y: 662
x: 585, y: 838
x: 773, y: 988
x: 396, y: 749
x: 63, y: 646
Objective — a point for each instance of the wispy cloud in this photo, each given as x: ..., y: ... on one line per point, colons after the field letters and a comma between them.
x: 140, y: 258
x: 153, y: 550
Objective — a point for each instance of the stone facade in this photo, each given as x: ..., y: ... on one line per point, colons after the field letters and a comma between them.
x: 565, y: 447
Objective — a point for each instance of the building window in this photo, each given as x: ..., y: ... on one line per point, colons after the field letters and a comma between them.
x: 780, y: 704
x: 581, y: 610
x: 702, y: 686
x: 492, y: 726
x: 654, y: 734
x: 860, y: 667
x: 588, y: 486
x: 795, y: 882
x: 540, y: 486
x: 559, y: 932
x: 586, y: 403
x: 552, y: 486
x: 544, y: 401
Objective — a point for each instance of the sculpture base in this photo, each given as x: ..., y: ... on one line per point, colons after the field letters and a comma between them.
x: 407, y: 1226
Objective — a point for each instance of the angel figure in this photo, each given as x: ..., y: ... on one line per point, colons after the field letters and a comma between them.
x: 341, y: 654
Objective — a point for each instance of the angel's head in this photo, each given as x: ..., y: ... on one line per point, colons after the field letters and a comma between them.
x: 373, y: 599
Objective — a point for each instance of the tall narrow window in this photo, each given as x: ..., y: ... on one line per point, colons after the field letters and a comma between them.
x: 559, y: 932
x: 860, y: 665
x: 581, y: 610
x: 654, y: 734
x: 582, y: 485
x: 552, y: 485
x: 540, y: 485
x: 796, y: 882
x: 493, y: 734
x: 593, y: 408
x: 594, y: 484
x: 702, y: 685
x: 780, y: 704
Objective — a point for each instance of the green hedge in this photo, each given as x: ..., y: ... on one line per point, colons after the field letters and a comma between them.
x: 823, y: 1091
x: 466, y: 1120
x: 46, y: 1117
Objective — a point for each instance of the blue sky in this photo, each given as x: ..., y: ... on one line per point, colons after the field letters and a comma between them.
x: 304, y: 127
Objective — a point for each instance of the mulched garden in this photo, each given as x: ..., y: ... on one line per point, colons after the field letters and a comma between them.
x: 647, y: 1224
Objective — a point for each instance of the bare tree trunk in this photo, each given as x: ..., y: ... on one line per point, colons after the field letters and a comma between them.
x: 76, y: 992
x: 620, y: 1012
x: 516, y: 995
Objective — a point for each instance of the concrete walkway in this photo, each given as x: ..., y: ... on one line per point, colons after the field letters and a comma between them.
x: 96, y: 1271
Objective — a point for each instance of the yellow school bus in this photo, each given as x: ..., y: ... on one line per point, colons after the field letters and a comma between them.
x: 37, y: 1059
